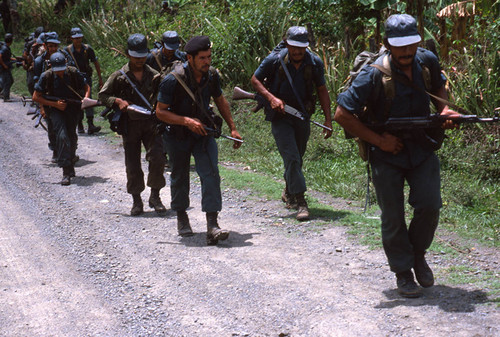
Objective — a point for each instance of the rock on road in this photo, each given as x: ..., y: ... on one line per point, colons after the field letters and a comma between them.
x: 74, y: 263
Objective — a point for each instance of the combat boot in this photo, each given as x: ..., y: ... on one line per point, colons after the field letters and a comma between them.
x: 406, y: 285
x: 66, y: 180
x: 155, y: 202
x: 423, y: 272
x: 92, y: 128
x: 183, y: 227
x: 288, y: 199
x: 303, y: 210
x: 80, y: 127
x: 214, y: 232
x: 137, y: 206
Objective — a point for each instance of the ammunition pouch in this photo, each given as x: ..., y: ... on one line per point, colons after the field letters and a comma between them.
x: 118, y: 121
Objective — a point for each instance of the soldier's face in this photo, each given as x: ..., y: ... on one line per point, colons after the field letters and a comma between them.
x: 51, y: 47
x: 201, y: 62
x: 296, y: 54
x: 168, y: 53
x: 403, y: 56
x: 136, y: 62
x: 77, y: 41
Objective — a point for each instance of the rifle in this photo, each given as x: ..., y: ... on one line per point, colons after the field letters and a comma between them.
x: 217, y: 134
x: 239, y: 94
x: 84, y: 103
x: 38, y: 117
x: 433, y: 121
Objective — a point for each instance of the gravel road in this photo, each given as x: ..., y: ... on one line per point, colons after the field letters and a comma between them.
x: 74, y: 263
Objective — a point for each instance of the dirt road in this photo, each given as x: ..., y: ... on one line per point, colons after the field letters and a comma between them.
x: 74, y: 263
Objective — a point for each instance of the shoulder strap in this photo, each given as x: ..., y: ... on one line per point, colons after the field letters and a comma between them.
x: 156, y: 55
x: 72, y: 56
x: 287, y: 73
x: 137, y: 90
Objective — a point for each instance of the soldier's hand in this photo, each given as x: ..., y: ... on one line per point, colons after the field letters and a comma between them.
x: 236, y: 134
x: 328, y: 133
x: 278, y: 105
x: 196, y: 126
x: 390, y: 143
x: 61, y: 105
x: 449, y: 123
x: 122, y: 104
x: 42, y: 111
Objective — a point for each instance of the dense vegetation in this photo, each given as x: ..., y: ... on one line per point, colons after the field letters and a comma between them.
x: 244, y: 31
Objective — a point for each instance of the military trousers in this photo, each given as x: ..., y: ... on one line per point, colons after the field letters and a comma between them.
x: 291, y: 136
x: 64, y: 128
x: 205, y: 153
x: 402, y: 243
x: 143, y: 132
x: 6, y: 82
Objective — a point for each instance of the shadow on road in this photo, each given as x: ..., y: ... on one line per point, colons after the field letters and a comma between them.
x: 447, y: 298
x: 235, y: 240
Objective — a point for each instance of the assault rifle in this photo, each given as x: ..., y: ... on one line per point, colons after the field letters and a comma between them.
x: 84, y: 103
x: 239, y: 94
x: 38, y: 117
x: 217, y: 134
x: 131, y: 107
x: 433, y: 121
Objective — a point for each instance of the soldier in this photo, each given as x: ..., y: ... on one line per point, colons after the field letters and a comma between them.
x: 137, y: 83
x: 162, y: 59
x: 188, y: 116
x: 41, y: 64
x: 82, y: 54
x: 396, y: 157
x: 62, y: 82
x: 291, y: 134
x: 6, y: 78
x: 30, y: 52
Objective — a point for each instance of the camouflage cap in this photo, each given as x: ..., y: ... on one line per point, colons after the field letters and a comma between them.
x: 52, y: 37
x: 297, y: 36
x: 76, y: 32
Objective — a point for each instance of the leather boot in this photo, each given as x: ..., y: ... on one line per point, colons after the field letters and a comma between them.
x: 183, y: 226
x: 137, y: 206
x: 406, y: 285
x: 214, y: 232
x: 155, y: 201
x: 289, y: 199
x: 303, y: 210
x: 66, y: 180
x: 422, y: 271
x: 80, y: 127
x: 92, y: 128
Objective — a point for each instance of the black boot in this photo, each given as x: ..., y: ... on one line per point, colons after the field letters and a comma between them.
x: 214, y: 233
x: 422, y: 271
x: 80, y: 127
x: 66, y: 180
x: 183, y: 227
x: 92, y: 128
x: 406, y: 285
x: 289, y: 199
x: 155, y: 202
x: 137, y: 206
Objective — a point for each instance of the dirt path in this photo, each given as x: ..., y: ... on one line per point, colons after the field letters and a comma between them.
x: 74, y: 263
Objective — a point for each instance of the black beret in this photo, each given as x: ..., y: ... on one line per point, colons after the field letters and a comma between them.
x: 197, y: 44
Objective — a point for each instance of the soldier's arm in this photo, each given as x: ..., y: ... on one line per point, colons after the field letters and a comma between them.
x: 108, y: 93
x: 386, y: 142
x: 98, y: 71
x: 223, y: 107
x: 276, y: 103
x: 325, y: 103
x: 164, y: 114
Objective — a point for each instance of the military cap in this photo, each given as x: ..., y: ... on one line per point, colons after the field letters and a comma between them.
x: 401, y: 30
x: 76, y: 32
x: 41, y: 38
x: 58, y: 61
x: 170, y: 40
x: 297, y: 36
x: 8, y: 37
x: 137, y: 45
x: 52, y: 37
x: 38, y: 31
x: 197, y: 43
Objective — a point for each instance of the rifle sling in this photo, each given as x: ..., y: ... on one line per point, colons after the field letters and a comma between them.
x: 137, y: 90
x: 287, y: 73
x: 412, y: 85
x: 190, y: 93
